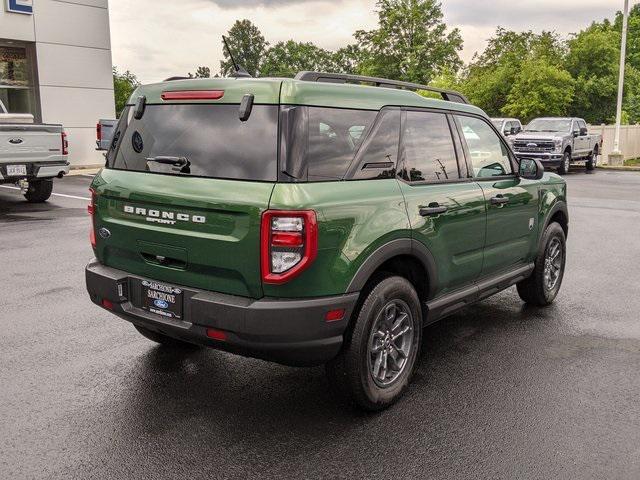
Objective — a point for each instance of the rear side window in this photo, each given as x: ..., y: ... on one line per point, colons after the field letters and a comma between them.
x: 198, y: 140
x: 378, y: 155
x: 321, y: 143
x: 489, y: 155
x: 429, y: 154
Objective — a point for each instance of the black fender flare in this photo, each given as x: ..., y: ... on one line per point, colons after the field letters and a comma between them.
x: 559, y: 206
x: 394, y: 248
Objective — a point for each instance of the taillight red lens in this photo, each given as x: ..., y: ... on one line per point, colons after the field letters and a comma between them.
x: 289, y: 243
x: 193, y: 95
x: 99, y: 131
x: 65, y: 144
x: 91, y: 208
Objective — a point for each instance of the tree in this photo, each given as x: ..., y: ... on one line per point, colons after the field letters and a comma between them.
x: 286, y: 59
x: 490, y: 77
x: 201, y: 72
x: 248, y: 47
x: 123, y: 86
x: 540, y: 89
x: 411, y: 42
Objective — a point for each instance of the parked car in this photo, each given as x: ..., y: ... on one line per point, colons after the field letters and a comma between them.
x: 507, y: 126
x: 31, y: 155
x: 104, y: 133
x: 558, y: 143
x: 275, y: 218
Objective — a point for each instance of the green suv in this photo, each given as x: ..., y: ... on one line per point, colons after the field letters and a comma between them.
x: 324, y: 219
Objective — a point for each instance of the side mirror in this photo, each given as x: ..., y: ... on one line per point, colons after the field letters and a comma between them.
x: 584, y: 131
x: 507, y: 132
x: 531, y: 169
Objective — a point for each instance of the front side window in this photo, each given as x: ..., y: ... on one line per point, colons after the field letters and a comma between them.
x: 489, y: 155
x: 429, y: 154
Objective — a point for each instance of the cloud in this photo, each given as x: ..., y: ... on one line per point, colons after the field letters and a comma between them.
x: 235, y: 4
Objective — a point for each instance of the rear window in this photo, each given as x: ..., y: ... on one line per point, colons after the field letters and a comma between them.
x: 198, y: 140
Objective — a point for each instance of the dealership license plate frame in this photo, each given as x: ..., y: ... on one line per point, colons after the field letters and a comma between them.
x: 154, y: 293
x: 16, y: 170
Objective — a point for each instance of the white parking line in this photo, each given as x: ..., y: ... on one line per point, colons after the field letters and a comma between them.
x: 56, y: 194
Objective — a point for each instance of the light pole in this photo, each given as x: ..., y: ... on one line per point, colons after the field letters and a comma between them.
x: 616, y: 157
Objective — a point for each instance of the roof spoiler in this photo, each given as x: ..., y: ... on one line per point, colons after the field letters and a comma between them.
x: 448, y: 95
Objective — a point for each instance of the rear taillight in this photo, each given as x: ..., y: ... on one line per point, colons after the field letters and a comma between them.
x: 65, y: 144
x: 91, y: 208
x: 99, y: 131
x: 289, y: 243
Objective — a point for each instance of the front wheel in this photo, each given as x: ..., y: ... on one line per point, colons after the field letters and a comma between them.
x: 39, y: 191
x: 565, y: 164
x: 379, y: 356
x: 543, y: 285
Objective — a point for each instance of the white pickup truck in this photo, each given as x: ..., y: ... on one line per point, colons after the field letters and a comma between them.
x: 31, y: 155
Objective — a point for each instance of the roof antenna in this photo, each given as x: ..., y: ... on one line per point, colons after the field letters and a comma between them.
x: 239, y: 71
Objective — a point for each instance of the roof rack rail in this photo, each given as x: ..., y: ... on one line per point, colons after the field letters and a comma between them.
x: 448, y: 95
x: 173, y: 79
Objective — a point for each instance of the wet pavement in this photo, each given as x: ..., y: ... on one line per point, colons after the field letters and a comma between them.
x: 502, y: 390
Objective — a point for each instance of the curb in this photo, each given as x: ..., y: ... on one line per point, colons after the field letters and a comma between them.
x: 83, y: 171
x: 619, y: 169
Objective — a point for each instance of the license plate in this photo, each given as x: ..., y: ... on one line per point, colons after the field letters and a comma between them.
x: 161, y: 299
x: 16, y: 170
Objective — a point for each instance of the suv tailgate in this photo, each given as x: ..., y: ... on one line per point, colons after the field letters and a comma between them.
x: 197, y: 232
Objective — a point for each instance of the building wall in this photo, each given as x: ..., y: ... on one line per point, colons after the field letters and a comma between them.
x: 73, y: 51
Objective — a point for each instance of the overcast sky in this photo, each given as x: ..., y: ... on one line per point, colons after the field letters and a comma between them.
x: 156, y: 39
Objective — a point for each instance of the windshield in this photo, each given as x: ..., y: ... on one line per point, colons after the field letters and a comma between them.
x: 199, y: 140
x: 549, y: 125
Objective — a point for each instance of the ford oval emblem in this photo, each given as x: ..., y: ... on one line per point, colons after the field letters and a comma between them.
x: 532, y: 144
x: 104, y: 233
x: 160, y: 304
x: 15, y: 141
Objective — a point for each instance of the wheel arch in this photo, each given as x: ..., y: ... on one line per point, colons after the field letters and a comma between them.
x: 406, y: 257
x: 559, y: 213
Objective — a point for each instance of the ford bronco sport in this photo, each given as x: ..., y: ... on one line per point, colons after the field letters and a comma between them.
x: 324, y: 219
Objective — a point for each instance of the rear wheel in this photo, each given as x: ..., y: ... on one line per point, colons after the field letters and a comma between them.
x: 565, y: 164
x: 592, y: 161
x: 542, y: 287
x: 39, y: 191
x: 377, y: 362
x: 165, y: 340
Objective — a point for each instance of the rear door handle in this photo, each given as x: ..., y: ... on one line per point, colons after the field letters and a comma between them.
x: 432, y: 209
x: 499, y: 200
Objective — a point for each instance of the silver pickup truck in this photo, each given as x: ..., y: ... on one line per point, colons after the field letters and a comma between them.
x: 31, y: 155
x: 558, y: 143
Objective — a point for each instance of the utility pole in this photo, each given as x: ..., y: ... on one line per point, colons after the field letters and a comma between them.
x: 616, y: 157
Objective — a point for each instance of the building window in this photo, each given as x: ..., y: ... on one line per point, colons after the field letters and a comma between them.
x: 17, y: 90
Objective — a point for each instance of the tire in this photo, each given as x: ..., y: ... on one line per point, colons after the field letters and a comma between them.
x: 351, y: 373
x: 39, y: 191
x: 164, y: 340
x: 538, y: 288
x: 565, y: 164
x: 592, y: 161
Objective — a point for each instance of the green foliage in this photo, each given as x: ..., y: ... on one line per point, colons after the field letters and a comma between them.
x: 248, y: 47
x: 411, y: 42
x: 285, y: 59
x: 123, y: 85
x: 540, y: 89
x: 201, y: 72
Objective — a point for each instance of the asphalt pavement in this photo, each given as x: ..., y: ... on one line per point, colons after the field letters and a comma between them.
x: 502, y: 391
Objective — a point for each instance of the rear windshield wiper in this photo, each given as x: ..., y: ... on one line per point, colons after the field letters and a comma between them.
x: 179, y: 164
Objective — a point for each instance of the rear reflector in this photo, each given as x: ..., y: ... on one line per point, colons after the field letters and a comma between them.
x: 107, y: 304
x: 335, y: 315
x: 216, y: 334
x: 193, y: 95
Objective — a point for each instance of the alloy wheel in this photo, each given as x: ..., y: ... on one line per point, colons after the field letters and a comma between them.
x: 390, y: 343
x: 553, y: 264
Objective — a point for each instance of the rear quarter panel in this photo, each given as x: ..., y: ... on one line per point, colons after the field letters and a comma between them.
x: 354, y: 219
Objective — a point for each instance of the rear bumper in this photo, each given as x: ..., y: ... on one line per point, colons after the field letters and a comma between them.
x: 287, y: 331
x: 547, y: 159
x: 36, y: 170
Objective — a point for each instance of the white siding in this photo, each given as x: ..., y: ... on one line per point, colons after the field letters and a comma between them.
x: 74, y: 66
x: 15, y: 26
